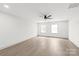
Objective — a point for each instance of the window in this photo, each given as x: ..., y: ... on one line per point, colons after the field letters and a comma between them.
x: 43, y: 28
x: 54, y: 28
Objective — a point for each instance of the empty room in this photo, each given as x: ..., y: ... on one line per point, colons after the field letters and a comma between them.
x: 39, y: 29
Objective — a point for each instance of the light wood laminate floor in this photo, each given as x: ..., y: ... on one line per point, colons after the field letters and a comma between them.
x: 42, y: 46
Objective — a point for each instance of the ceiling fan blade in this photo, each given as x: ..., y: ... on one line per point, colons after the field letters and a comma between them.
x: 49, y: 18
x: 49, y: 15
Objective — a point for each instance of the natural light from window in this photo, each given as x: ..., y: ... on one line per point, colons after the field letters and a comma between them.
x: 54, y: 28
x: 43, y: 28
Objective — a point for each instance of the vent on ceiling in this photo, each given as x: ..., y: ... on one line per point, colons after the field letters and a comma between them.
x: 73, y: 5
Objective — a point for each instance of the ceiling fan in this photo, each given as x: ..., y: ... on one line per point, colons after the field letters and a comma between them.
x: 46, y: 16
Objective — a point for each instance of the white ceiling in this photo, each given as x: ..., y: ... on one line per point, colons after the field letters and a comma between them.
x: 32, y: 10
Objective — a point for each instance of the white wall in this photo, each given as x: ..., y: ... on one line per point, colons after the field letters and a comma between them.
x: 14, y: 30
x: 74, y: 25
x: 62, y: 29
